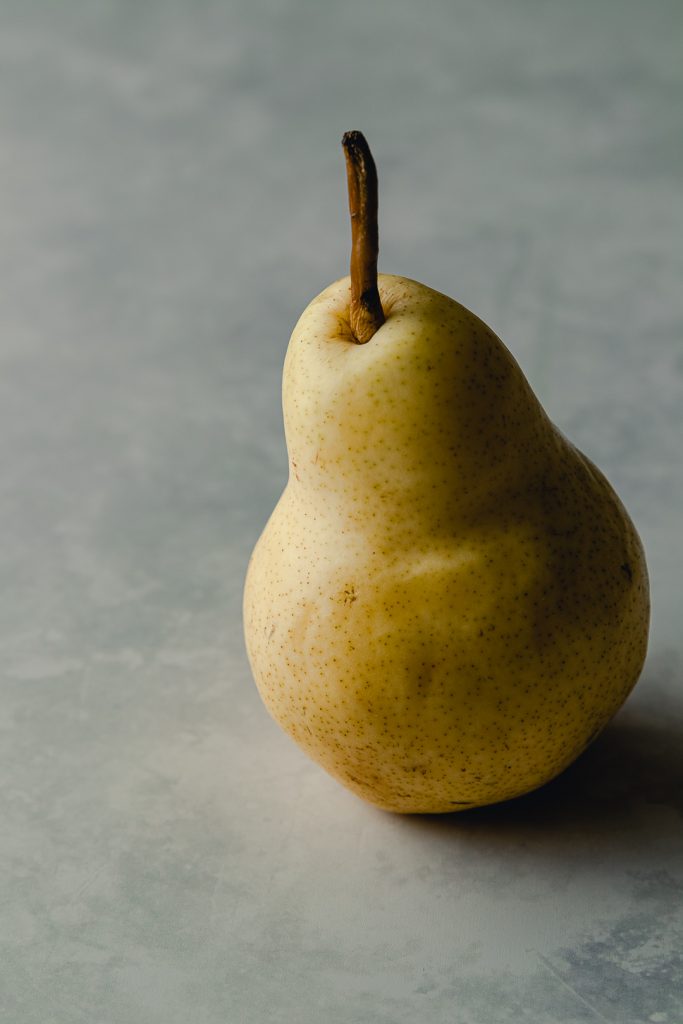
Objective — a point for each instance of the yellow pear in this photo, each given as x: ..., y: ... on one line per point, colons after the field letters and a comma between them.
x: 449, y: 601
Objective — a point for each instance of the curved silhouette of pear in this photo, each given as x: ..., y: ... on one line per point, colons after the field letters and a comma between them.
x: 449, y: 601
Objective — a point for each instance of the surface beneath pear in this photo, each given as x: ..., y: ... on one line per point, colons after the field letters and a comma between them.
x: 172, y: 195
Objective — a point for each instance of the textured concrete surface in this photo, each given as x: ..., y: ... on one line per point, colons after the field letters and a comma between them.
x: 171, y: 196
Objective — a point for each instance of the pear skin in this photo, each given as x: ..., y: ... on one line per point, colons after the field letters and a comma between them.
x: 449, y: 601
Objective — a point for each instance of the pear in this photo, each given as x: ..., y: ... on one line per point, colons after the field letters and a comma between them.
x: 449, y: 601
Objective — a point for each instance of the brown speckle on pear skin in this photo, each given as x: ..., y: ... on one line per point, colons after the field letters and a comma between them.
x: 461, y: 599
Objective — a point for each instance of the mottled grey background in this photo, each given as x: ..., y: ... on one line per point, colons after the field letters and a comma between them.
x: 172, y: 195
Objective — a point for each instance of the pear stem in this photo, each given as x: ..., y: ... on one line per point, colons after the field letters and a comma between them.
x: 366, y: 313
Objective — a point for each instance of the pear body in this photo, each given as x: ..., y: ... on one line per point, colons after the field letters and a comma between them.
x: 449, y: 601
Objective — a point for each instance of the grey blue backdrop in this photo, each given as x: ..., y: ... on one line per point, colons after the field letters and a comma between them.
x: 171, y: 197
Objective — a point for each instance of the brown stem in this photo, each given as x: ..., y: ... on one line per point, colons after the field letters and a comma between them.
x: 366, y: 312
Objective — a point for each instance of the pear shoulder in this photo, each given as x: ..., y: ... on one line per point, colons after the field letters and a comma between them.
x: 428, y: 411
